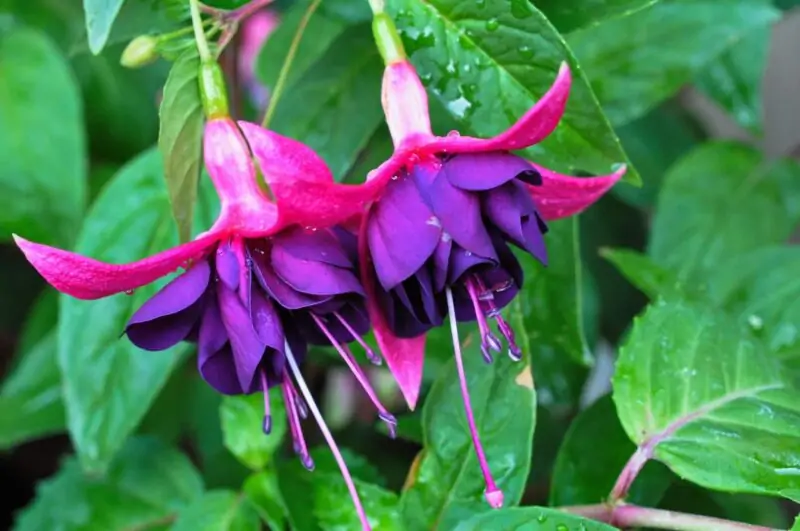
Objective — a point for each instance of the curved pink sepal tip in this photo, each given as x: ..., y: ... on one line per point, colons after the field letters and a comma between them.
x: 86, y: 278
x: 561, y: 196
x: 404, y: 357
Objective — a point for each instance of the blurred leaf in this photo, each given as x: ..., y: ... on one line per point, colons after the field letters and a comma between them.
x: 796, y: 526
x: 751, y: 509
x: 226, y: 4
x: 42, y: 145
x: 339, y: 92
x: 654, y: 142
x: 242, y: 419
x: 100, y: 15
x: 320, y: 32
x: 571, y: 15
x: 722, y: 200
x: 409, y: 427
x: 180, y: 139
x: 218, y: 510
x: 41, y: 320
x: 321, y: 501
x: 448, y: 485
x: 693, y: 390
x: 787, y: 4
x: 585, y: 472
x: 641, y: 271
x: 530, y: 518
x: 347, y: 10
x: 31, y: 405
x: 734, y: 79
x: 262, y: 491
x: 762, y: 288
x: 663, y: 48
x: 490, y: 64
x: 378, y: 149
x: 144, y: 487
x: 108, y: 383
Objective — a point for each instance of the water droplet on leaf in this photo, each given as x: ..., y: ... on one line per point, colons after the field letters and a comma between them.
x: 492, y: 24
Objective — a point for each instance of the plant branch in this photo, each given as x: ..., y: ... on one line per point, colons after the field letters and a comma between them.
x: 377, y: 6
x: 629, y: 473
x: 199, y: 31
x: 287, y: 63
x: 625, y: 516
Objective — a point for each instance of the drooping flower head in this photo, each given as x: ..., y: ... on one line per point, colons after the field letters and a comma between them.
x: 274, y: 274
x: 437, y: 242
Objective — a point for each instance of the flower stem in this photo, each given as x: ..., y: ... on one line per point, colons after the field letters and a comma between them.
x: 287, y: 63
x: 199, y: 32
x: 625, y: 516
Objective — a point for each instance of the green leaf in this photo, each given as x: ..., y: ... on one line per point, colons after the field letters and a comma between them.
x: 242, y: 420
x: 41, y: 320
x: 699, y: 394
x: 489, y: 64
x: 218, y: 510
x: 796, y: 526
x: 569, y: 16
x: 108, y: 383
x: 641, y: 271
x: 319, y: 33
x: 448, y: 485
x: 322, y: 502
x: 100, y: 15
x: 180, y: 139
x: 673, y: 41
x: 734, y: 79
x: 42, y: 145
x: 339, y: 92
x: 531, y: 518
x: 763, y: 290
x: 143, y: 488
x: 585, y: 471
x: 722, y: 200
x: 31, y: 405
x: 262, y: 491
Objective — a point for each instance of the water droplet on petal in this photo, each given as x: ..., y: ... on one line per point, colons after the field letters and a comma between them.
x: 128, y: 292
x: 453, y: 133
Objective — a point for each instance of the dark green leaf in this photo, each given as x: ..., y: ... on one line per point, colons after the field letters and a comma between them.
x: 763, y: 289
x: 654, y: 142
x: 722, y: 200
x: 262, y: 491
x: 641, y: 271
x: 226, y: 4
x: 568, y: 16
x: 42, y: 146
x: 218, y: 510
x: 242, y: 420
x: 322, y: 502
x: 585, y: 471
x: 180, y: 139
x: 341, y: 93
x: 41, y: 320
x: 143, y: 489
x: 31, y: 404
x: 108, y: 383
x: 796, y: 526
x: 531, y: 519
x: 320, y: 32
x: 489, y: 64
x: 100, y: 15
x: 448, y: 485
x: 663, y: 48
x: 409, y: 427
x: 734, y: 79
x: 696, y: 392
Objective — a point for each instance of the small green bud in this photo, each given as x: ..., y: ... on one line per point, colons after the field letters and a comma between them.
x: 213, y: 93
x: 141, y: 51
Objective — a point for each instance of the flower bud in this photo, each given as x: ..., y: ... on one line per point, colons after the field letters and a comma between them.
x: 141, y: 51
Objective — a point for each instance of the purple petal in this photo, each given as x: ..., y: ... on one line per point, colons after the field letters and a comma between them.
x: 285, y: 295
x: 457, y: 210
x: 169, y: 316
x: 248, y: 348
x: 311, y: 277
x: 227, y: 265
x: 511, y: 209
x: 214, y: 355
x: 313, y: 246
x: 441, y: 262
x: 265, y: 319
x: 484, y: 171
x: 401, y: 232
x: 463, y: 261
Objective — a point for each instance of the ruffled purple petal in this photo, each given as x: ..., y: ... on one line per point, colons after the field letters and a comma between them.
x: 402, y: 233
x: 169, y: 316
x: 284, y: 294
x: 248, y: 348
x: 511, y: 209
x: 441, y: 262
x: 266, y: 321
x: 312, y: 277
x: 214, y: 355
x: 227, y: 265
x: 313, y: 246
x: 484, y: 171
x: 463, y: 261
x: 458, y: 211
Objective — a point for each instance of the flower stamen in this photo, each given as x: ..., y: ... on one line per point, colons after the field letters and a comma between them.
x: 489, y: 341
x: 514, y: 352
x: 347, y: 356
x: 267, y: 426
x: 372, y: 356
x: 328, y: 438
x: 494, y: 496
x: 298, y: 441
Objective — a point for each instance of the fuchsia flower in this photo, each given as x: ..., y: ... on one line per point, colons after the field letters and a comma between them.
x: 438, y: 238
x: 272, y: 275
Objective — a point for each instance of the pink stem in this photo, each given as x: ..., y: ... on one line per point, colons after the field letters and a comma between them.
x: 629, y: 473
x: 493, y: 495
x: 633, y: 516
x: 362, y: 515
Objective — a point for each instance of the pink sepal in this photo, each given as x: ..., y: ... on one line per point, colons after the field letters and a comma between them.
x: 560, y: 196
